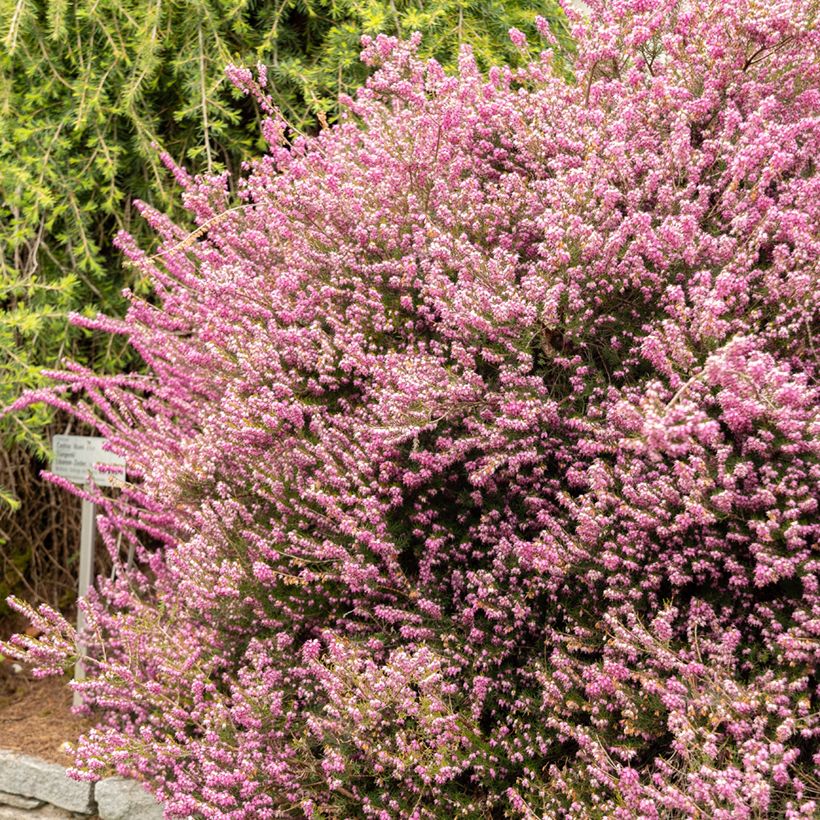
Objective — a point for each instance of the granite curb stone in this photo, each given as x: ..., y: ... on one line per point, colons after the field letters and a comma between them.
x: 48, y: 782
x: 45, y: 812
x: 121, y: 799
x: 17, y: 801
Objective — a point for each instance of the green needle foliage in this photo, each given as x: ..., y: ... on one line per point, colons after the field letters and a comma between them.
x: 88, y: 90
x: 315, y: 54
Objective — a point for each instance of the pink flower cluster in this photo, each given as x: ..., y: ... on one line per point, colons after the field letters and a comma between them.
x: 475, y: 467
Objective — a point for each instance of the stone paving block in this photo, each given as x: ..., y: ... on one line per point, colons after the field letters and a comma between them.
x: 30, y: 777
x: 17, y: 801
x: 120, y: 799
x: 43, y: 813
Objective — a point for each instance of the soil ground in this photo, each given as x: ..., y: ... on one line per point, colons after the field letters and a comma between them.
x: 35, y: 715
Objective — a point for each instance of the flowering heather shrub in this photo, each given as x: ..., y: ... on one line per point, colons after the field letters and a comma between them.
x: 476, y: 470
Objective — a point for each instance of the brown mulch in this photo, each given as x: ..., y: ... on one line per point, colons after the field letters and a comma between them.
x: 35, y: 715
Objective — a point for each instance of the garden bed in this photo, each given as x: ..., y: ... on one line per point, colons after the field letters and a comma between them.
x: 35, y: 715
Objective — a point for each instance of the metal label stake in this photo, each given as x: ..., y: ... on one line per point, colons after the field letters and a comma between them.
x: 88, y: 532
x: 76, y: 458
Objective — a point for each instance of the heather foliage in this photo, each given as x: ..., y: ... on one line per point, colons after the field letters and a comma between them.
x: 475, y: 471
x: 86, y: 90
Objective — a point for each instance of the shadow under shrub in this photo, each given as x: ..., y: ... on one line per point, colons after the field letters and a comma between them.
x: 38, y: 548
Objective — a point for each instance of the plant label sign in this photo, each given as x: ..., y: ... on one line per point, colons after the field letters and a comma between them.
x: 76, y: 458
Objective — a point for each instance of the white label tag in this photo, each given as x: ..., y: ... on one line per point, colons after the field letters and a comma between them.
x: 76, y: 457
